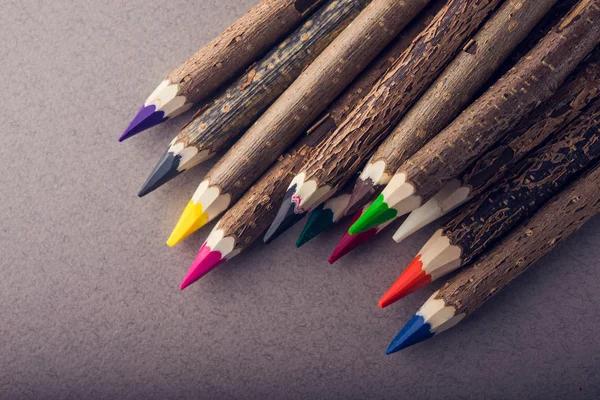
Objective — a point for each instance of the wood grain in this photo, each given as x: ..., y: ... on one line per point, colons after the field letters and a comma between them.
x: 237, y: 107
x: 455, y: 87
x: 525, y: 245
x: 580, y: 89
x: 337, y: 112
x: 308, y: 96
x: 376, y: 115
x: 532, y: 182
x: 500, y: 108
x: 243, y: 42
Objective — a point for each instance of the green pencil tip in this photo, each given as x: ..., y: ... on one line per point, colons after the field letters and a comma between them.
x: 378, y: 213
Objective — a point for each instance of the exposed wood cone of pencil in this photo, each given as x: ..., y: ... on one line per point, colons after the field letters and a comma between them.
x: 581, y: 88
x: 236, y: 107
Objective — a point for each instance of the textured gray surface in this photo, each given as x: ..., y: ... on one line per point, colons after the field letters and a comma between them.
x: 89, y: 299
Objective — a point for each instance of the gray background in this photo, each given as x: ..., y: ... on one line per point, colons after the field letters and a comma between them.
x: 89, y: 299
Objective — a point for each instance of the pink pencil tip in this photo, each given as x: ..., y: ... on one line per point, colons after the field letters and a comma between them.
x: 205, y: 261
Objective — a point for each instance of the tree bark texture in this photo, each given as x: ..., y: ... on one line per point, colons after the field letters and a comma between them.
x: 455, y: 87
x: 581, y: 89
x: 236, y: 48
x: 380, y: 111
x: 308, y: 96
x: 533, y: 181
x: 345, y: 103
x: 525, y: 245
x: 500, y: 108
x: 237, y: 107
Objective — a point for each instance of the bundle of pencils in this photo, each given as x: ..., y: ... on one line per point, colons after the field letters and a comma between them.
x: 488, y: 105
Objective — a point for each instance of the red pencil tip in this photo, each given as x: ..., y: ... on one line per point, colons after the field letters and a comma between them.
x: 412, y: 279
x: 205, y: 261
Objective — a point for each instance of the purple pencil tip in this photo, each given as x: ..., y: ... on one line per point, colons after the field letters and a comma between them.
x: 146, y: 118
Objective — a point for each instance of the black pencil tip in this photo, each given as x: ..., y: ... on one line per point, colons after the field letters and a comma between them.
x: 286, y: 217
x: 165, y: 170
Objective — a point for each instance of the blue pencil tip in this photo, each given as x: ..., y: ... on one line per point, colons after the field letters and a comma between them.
x: 415, y: 331
x: 146, y: 118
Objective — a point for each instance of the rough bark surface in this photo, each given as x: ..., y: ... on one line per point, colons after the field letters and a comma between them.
x: 461, y: 80
x: 580, y: 90
x: 526, y: 244
x: 244, y: 100
x: 500, y: 108
x: 379, y: 112
x: 238, y: 46
x: 345, y: 103
x: 533, y: 181
x: 308, y: 96
x: 251, y: 216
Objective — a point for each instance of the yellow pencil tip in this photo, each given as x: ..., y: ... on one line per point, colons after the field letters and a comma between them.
x: 192, y: 219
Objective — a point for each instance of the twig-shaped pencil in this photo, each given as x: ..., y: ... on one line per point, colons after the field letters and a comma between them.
x: 237, y: 107
x: 337, y: 112
x: 491, y: 215
x: 451, y: 92
x: 374, y: 117
x: 566, y: 104
x: 220, y: 60
x: 524, y: 246
x: 489, y: 118
x: 295, y: 109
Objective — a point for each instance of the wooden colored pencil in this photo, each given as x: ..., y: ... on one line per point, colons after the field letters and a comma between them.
x: 551, y: 117
x: 249, y: 218
x: 489, y: 118
x: 295, y: 110
x: 374, y: 117
x: 240, y: 104
x: 220, y: 60
x: 464, y: 293
x: 323, y: 218
x: 451, y: 92
x: 491, y: 215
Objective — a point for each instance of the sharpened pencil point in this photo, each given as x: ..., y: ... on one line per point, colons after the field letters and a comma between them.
x: 286, y: 217
x: 415, y: 331
x: 165, y: 170
x: 205, y: 261
x: 377, y: 214
x: 319, y: 220
x: 349, y: 242
x: 412, y: 279
x: 192, y: 219
x: 362, y: 192
x: 146, y: 118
